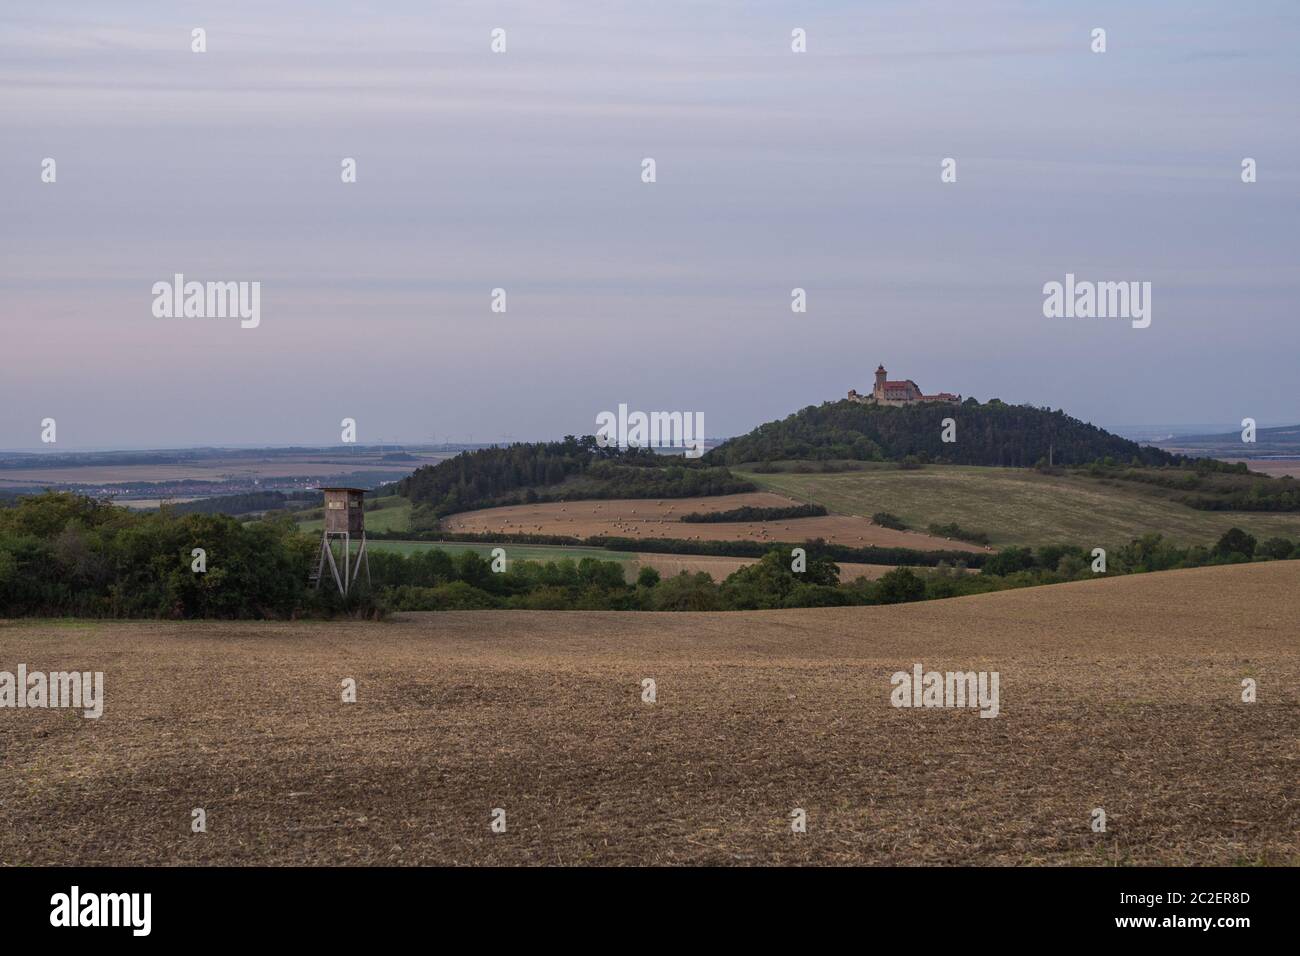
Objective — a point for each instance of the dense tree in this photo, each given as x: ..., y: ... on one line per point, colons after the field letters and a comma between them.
x: 1009, y: 561
x: 900, y: 586
x: 573, y: 469
x: 1235, y: 541
x: 751, y: 513
x: 772, y: 581
x: 990, y: 434
x: 1276, y: 548
x: 65, y: 554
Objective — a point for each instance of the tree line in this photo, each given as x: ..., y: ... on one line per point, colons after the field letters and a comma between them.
x: 752, y: 513
x: 434, y: 581
x: 869, y: 554
x: 63, y: 554
x: 1207, y: 484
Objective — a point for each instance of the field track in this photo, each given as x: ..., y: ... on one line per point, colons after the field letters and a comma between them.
x: 1122, y: 694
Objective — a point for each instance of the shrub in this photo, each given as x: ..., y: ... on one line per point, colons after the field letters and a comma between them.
x: 954, y: 530
x: 887, y: 520
x: 456, y: 596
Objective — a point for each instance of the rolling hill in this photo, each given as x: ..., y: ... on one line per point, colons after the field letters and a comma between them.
x: 1018, y: 506
x: 992, y: 433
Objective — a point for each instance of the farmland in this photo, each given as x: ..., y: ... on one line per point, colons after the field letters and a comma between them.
x: 235, y: 468
x: 1122, y: 694
x: 1017, y: 506
x: 649, y: 518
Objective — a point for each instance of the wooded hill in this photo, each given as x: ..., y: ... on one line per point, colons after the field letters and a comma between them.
x: 992, y: 433
x: 572, y: 469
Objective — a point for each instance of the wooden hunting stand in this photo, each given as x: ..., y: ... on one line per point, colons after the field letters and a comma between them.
x: 345, y: 515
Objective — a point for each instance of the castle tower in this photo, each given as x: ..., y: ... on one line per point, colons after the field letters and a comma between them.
x: 881, y: 375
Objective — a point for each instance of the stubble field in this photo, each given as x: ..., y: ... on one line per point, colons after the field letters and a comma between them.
x: 650, y: 518
x: 1120, y: 694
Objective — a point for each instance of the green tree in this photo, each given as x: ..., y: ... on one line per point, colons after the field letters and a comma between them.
x: 899, y: 586
x: 1276, y: 548
x: 1009, y: 561
x: 1235, y: 541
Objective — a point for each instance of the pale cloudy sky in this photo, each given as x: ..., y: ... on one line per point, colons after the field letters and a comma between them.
x: 522, y: 170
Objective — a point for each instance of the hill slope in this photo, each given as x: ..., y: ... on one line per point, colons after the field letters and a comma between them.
x: 1019, y: 506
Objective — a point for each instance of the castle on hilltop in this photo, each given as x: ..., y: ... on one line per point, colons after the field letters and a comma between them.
x: 906, y: 392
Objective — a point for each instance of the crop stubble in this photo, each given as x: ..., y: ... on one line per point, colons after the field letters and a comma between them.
x: 1122, y: 694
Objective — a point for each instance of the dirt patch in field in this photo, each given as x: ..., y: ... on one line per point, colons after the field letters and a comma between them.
x: 652, y: 518
x: 1123, y: 694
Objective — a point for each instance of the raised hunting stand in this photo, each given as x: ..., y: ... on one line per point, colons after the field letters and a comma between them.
x: 345, y: 516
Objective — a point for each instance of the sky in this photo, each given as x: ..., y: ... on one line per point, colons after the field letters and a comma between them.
x: 522, y: 170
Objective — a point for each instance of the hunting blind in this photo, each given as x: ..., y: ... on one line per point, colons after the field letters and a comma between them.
x: 345, y: 516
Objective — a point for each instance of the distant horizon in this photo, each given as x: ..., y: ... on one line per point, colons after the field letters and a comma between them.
x: 1123, y: 431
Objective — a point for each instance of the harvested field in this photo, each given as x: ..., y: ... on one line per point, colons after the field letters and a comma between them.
x: 651, y: 518
x: 1122, y: 694
x: 669, y: 565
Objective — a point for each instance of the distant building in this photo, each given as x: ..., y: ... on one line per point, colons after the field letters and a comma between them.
x: 905, y: 392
